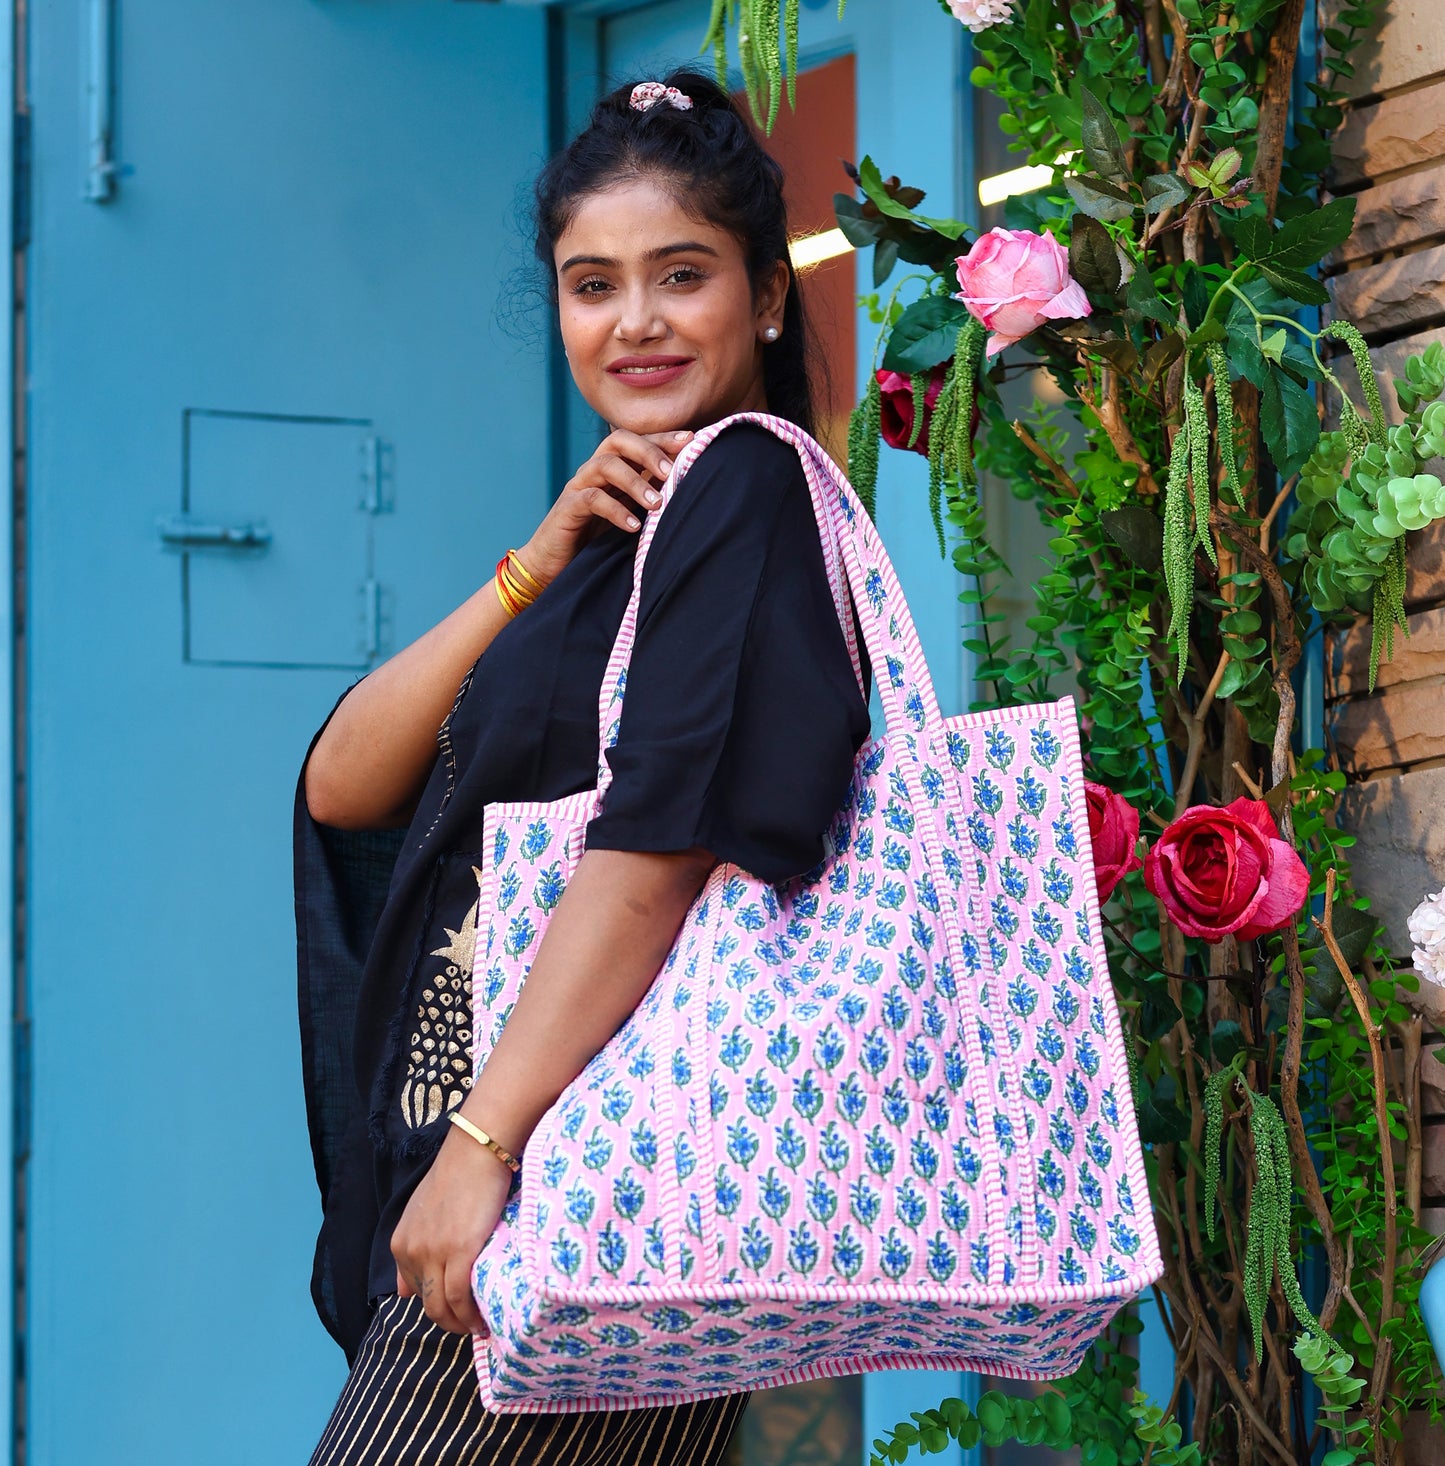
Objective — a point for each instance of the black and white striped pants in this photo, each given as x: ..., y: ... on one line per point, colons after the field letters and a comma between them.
x: 411, y: 1400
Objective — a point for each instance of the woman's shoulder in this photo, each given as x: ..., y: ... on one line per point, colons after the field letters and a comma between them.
x: 749, y: 464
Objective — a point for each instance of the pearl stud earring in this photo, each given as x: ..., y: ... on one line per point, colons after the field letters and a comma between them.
x: 770, y: 333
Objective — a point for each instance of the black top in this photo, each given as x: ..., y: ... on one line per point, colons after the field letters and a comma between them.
x: 738, y: 733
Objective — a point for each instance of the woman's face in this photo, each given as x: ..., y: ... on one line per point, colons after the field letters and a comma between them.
x: 662, y: 326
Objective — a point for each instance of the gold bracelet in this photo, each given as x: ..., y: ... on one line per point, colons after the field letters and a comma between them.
x: 511, y: 1162
x: 515, y: 561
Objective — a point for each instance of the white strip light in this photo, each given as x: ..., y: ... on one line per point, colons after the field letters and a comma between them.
x: 813, y: 249
x: 1017, y: 180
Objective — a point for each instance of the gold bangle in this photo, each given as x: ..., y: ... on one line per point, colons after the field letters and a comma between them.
x: 518, y: 592
x: 514, y: 559
x: 501, y: 591
x: 511, y: 1162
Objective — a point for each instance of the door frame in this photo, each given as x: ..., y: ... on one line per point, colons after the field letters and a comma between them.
x: 14, y: 1072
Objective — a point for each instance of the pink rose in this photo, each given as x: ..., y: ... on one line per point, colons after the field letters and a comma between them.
x: 1014, y: 280
x: 979, y: 15
x: 896, y: 421
x: 1223, y: 871
x: 1113, y: 832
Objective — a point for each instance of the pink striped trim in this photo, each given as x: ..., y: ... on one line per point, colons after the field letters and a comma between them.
x: 985, y: 1294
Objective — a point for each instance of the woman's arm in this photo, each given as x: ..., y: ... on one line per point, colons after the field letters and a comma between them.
x: 608, y: 937
x: 370, y: 764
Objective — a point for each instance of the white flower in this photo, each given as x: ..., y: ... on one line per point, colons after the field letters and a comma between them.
x: 1427, y: 931
x: 978, y: 15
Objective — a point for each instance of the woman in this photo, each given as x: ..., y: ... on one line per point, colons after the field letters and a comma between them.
x: 664, y: 230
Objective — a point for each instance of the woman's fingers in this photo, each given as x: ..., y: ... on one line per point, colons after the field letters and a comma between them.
x: 616, y: 472
x: 457, y: 1289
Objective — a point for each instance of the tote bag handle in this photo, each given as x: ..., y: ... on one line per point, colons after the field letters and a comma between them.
x: 856, y: 563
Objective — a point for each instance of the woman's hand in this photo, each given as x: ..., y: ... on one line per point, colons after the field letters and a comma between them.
x: 444, y: 1228
x: 624, y: 472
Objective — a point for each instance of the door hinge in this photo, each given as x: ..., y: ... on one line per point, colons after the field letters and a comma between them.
x: 20, y: 179
x: 23, y: 1087
x: 377, y: 495
x: 373, y: 618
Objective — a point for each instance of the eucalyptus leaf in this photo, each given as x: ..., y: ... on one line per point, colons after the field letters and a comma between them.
x: 1103, y: 151
x: 925, y: 335
x: 1093, y: 260
x: 1098, y: 199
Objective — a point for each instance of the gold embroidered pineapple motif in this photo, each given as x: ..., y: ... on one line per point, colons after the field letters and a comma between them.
x: 439, y: 1058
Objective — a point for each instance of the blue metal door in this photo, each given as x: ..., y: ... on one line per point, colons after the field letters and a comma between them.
x: 276, y: 424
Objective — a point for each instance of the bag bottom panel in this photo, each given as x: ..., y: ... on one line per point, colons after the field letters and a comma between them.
x: 618, y: 1358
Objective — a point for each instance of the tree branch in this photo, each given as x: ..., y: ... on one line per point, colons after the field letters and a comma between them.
x: 1274, y: 100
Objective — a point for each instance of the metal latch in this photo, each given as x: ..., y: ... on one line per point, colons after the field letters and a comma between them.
x: 184, y: 533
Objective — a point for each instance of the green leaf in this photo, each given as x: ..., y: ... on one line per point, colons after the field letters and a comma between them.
x: 1122, y: 355
x: 1138, y: 532
x: 1093, y: 259
x: 1103, y: 151
x: 1100, y: 200
x: 859, y: 230
x: 1163, y: 191
x: 870, y: 180
x: 992, y: 1412
x: 1160, y: 1118
x: 1296, y: 285
x: 1196, y: 295
x: 1160, y: 357
x: 1289, y: 421
x: 1244, y: 353
x: 1354, y: 932
x: 925, y: 335
x: 1271, y: 347
x: 1143, y: 297
x: 1299, y: 243
x: 885, y: 256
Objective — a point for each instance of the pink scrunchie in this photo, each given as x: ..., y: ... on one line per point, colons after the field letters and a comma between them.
x: 648, y: 93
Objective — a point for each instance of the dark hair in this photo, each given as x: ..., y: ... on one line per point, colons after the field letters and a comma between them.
x: 713, y: 159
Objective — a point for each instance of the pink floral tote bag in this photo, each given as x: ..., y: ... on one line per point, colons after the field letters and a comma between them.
x: 878, y: 1117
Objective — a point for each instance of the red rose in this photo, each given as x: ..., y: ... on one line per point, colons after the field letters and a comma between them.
x: 896, y: 416
x: 1113, y: 832
x: 1218, y: 872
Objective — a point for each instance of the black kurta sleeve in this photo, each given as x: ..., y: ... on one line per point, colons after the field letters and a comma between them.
x: 742, y: 713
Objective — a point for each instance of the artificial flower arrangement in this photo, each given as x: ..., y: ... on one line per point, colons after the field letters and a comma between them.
x: 1204, y: 524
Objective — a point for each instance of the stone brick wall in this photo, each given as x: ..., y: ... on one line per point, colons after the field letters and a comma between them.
x: 1390, y: 280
